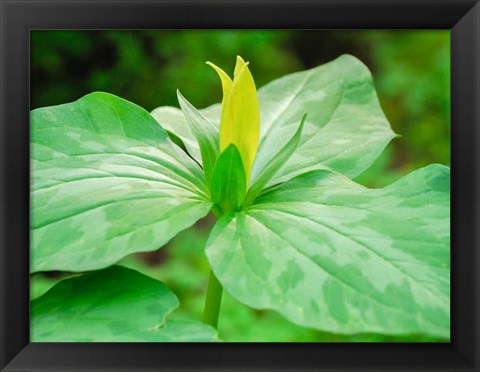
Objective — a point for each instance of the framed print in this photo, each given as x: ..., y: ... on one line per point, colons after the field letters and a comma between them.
x: 240, y: 186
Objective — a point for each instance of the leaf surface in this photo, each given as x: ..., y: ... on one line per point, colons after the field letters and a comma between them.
x: 330, y: 254
x: 112, y: 305
x: 106, y: 182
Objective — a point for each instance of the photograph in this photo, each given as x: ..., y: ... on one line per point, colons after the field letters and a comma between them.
x: 240, y: 186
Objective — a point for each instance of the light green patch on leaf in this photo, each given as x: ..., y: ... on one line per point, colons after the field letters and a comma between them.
x: 106, y: 182
x: 343, y: 258
x: 112, y: 305
x: 228, y: 181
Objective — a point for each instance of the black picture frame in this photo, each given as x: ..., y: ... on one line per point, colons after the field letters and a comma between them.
x: 462, y: 17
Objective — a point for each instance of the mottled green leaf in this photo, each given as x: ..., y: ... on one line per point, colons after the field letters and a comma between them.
x: 346, y: 129
x: 112, y: 305
x: 106, y: 181
x: 205, y: 133
x: 330, y: 254
x: 229, y: 180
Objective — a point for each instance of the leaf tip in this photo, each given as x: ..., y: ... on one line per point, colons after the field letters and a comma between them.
x: 304, y: 119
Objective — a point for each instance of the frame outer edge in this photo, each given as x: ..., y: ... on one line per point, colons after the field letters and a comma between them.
x: 465, y: 101
x: 9, y: 228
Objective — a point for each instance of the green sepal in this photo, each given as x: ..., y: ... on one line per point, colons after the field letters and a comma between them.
x: 205, y: 133
x: 228, y: 187
x: 275, y: 164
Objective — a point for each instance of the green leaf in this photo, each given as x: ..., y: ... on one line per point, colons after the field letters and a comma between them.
x: 346, y: 129
x: 229, y: 180
x: 205, y: 133
x: 275, y: 164
x: 112, y: 305
x: 330, y: 254
x: 106, y: 182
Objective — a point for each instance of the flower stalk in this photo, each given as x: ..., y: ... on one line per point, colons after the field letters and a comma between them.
x: 213, y: 301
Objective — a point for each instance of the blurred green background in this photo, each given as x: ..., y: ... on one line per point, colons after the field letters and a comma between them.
x: 411, y: 70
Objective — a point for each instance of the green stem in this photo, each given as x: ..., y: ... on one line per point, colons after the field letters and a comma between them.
x: 213, y: 301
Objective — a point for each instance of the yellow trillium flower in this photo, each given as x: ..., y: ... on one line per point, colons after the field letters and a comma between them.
x: 240, y: 118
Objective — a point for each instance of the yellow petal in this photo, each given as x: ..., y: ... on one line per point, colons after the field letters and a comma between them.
x: 240, y: 118
x: 239, y: 65
x: 226, y: 81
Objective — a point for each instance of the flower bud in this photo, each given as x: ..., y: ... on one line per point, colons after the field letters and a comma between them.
x: 240, y: 118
